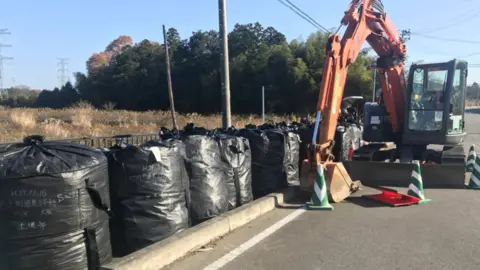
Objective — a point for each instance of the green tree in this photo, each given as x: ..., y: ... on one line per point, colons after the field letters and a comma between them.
x: 473, y: 91
x: 173, y: 39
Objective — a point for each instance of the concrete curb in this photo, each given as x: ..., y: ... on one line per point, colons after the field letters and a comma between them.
x: 165, y: 252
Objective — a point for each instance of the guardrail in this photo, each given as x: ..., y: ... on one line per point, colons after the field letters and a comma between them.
x: 103, y: 142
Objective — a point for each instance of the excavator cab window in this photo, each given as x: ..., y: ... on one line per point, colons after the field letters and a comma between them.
x: 427, y: 99
x: 457, y: 101
x: 437, y: 98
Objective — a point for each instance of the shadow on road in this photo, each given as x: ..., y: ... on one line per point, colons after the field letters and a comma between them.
x: 364, y: 202
x: 295, y: 202
x: 302, y: 198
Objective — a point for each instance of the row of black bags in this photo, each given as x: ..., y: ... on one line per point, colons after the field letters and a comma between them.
x: 57, y: 198
x: 191, y: 176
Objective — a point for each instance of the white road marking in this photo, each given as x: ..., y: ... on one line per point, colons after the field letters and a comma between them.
x: 254, y: 240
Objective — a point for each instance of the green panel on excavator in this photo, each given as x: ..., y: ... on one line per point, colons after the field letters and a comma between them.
x: 398, y: 174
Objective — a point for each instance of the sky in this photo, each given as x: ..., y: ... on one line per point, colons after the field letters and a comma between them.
x: 44, y: 30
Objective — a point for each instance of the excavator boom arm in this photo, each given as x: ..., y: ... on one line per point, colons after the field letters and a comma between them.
x: 365, y: 20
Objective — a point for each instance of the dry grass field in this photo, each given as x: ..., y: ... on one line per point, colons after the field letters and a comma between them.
x: 82, y: 120
x: 472, y: 103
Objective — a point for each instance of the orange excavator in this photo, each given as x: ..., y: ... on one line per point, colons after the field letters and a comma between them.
x: 410, y: 117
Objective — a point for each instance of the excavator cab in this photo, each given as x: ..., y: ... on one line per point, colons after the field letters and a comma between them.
x: 433, y: 131
x: 436, y: 104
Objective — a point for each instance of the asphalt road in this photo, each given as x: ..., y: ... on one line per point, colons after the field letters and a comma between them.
x: 358, y: 234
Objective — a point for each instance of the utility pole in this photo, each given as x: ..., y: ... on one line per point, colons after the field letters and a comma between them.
x: 3, y: 31
x: 224, y: 65
x: 169, y: 79
x: 63, y: 71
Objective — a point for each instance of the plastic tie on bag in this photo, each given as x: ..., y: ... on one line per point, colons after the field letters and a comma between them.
x: 33, y: 140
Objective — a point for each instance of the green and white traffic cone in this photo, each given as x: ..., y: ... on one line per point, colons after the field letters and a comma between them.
x: 415, y: 188
x: 474, y: 182
x: 472, y: 155
x: 319, y: 196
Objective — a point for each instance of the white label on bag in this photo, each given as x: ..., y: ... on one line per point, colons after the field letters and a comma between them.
x: 375, y: 120
x: 156, y: 152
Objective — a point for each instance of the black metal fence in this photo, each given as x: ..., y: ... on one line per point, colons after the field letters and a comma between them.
x: 105, y: 142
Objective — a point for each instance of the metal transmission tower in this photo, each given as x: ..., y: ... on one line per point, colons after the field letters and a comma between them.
x: 3, y: 31
x: 63, y: 71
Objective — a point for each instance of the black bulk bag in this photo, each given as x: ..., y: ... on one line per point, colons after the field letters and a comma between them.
x: 237, y: 154
x: 292, y: 143
x: 207, y: 172
x: 149, y: 187
x: 305, y: 132
x: 268, y: 155
x: 346, y: 139
x: 54, y: 206
x: 292, y: 158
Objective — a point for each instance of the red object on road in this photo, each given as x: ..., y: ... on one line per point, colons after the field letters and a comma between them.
x: 392, y: 197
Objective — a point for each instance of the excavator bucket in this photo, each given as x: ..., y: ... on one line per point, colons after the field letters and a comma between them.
x: 338, y: 181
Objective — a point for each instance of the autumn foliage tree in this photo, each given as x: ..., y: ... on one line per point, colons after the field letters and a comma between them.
x: 97, y: 61
x: 115, y: 47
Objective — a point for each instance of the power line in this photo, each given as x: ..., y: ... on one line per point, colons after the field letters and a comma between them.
x: 459, y: 19
x: 298, y: 13
x: 468, y: 55
x: 306, y: 15
x: 63, y: 71
x: 445, y: 39
x: 302, y: 14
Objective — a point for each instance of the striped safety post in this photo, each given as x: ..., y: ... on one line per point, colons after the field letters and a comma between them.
x: 472, y: 155
x: 474, y: 182
x: 415, y: 188
x: 319, y: 199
